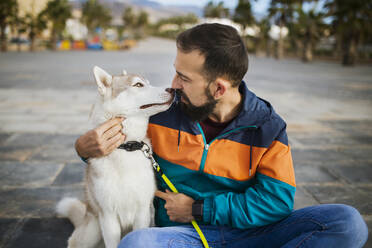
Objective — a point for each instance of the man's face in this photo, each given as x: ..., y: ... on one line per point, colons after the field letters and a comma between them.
x: 196, y: 98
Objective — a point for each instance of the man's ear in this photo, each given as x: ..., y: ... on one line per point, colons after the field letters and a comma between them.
x: 220, y: 87
x: 103, y: 80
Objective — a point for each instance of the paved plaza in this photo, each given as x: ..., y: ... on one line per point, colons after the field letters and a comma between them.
x: 46, y: 97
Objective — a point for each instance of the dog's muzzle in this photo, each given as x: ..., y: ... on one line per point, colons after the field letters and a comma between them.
x: 169, y: 90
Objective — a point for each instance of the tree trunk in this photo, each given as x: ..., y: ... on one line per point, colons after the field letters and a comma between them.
x: 32, y: 42
x: 337, y: 47
x: 18, y: 43
x: 299, y: 48
x: 307, y: 54
x: 53, y: 40
x: 260, y: 46
x: 268, y: 47
x: 279, y: 48
x: 256, y: 46
x: 349, y: 51
x: 3, y: 38
x: 279, y: 44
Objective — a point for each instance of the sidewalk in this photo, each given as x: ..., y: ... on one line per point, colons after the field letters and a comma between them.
x: 45, y: 99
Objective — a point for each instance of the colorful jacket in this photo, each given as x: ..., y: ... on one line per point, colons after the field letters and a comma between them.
x: 245, y: 175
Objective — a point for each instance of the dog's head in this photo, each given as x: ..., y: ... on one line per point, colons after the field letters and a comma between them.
x: 131, y: 95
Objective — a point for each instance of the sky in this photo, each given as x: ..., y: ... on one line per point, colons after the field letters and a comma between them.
x: 259, y: 6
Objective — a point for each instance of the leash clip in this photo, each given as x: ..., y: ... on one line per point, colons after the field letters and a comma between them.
x: 147, y: 152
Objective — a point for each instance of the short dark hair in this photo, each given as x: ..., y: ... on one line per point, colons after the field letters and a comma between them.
x: 224, y: 50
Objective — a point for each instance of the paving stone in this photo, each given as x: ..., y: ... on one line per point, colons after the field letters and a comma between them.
x: 72, y: 173
x: 7, y: 228
x: 361, y: 154
x: 369, y: 241
x: 324, y: 141
x: 56, y: 153
x: 46, y: 232
x: 310, y: 174
x: 43, y: 139
x: 28, y: 174
x: 38, y: 202
x: 357, y: 128
x: 361, y: 173
x: 303, y: 199
x: 317, y: 157
x: 16, y: 153
x: 4, y: 137
x: 358, y: 197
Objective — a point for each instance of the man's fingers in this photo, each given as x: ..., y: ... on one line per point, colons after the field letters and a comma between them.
x: 111, y: 132
x: 162, y: 195
x: 109, y: 124
x: 119, y: 140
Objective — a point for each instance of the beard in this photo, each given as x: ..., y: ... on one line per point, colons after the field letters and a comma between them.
x: 197, y: 113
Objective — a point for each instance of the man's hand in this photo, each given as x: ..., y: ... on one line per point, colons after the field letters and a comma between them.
x: 178, y: 206
x: 100, y: 141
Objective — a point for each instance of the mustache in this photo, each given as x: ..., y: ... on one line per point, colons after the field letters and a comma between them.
x: 180, y: 93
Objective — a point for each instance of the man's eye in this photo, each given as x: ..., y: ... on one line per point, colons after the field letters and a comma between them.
x: 182, y: 78
x: 139, y: 85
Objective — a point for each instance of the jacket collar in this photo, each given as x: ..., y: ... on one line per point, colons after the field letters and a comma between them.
x: 254, y: 112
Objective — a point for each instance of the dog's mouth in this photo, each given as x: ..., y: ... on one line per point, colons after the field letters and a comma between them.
x: 158, y: 104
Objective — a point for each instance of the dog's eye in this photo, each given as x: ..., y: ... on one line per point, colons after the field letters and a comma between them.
x: 139, y: 85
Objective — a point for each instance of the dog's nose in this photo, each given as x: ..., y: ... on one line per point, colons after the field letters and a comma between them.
x: 169, y: 90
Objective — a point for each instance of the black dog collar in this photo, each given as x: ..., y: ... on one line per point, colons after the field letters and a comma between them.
x: 131, y: 146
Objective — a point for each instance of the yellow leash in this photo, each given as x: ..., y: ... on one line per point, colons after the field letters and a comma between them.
x: 156, y: 166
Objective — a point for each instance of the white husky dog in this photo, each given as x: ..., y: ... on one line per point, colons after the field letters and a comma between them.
x: 119, y: 188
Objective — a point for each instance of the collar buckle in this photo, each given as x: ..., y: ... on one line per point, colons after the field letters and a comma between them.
x: 131, y: 146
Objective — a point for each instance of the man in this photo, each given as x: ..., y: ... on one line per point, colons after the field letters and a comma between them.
x: 227, y: 152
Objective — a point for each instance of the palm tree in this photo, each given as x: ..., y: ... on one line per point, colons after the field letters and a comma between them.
x: 243, y: 15
x: 18, y: 27
x: 141, y: 23
x: 216, y: 11
x: 312, y: 28
x: 351, y: 20
x: 95, y: 15
x: 129, y: 18
x: 135, y: 24
x: 57, y: 11
x: 263, y: 39
x: 282, y: 12
x: 8, y: 12
x: 35, y: 24
x: 142, y: 19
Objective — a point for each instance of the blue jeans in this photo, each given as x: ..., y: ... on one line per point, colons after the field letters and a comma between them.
x: 329, y: 225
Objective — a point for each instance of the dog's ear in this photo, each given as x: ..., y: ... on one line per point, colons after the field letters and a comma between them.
x: 124, y: 73
x: 103, y: 80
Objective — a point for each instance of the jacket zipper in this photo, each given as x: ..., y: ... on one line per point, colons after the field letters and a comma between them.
x: 207, y: 145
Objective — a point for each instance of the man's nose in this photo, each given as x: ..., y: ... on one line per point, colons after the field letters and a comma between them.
x: 176, y: 84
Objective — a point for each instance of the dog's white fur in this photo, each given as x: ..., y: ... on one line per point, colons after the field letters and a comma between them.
x: 119, y: 188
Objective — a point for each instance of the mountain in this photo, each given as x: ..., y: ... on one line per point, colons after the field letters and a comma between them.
x: 155, y: 10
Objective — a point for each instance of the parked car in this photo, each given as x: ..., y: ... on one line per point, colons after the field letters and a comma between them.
x: 18, y: 40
